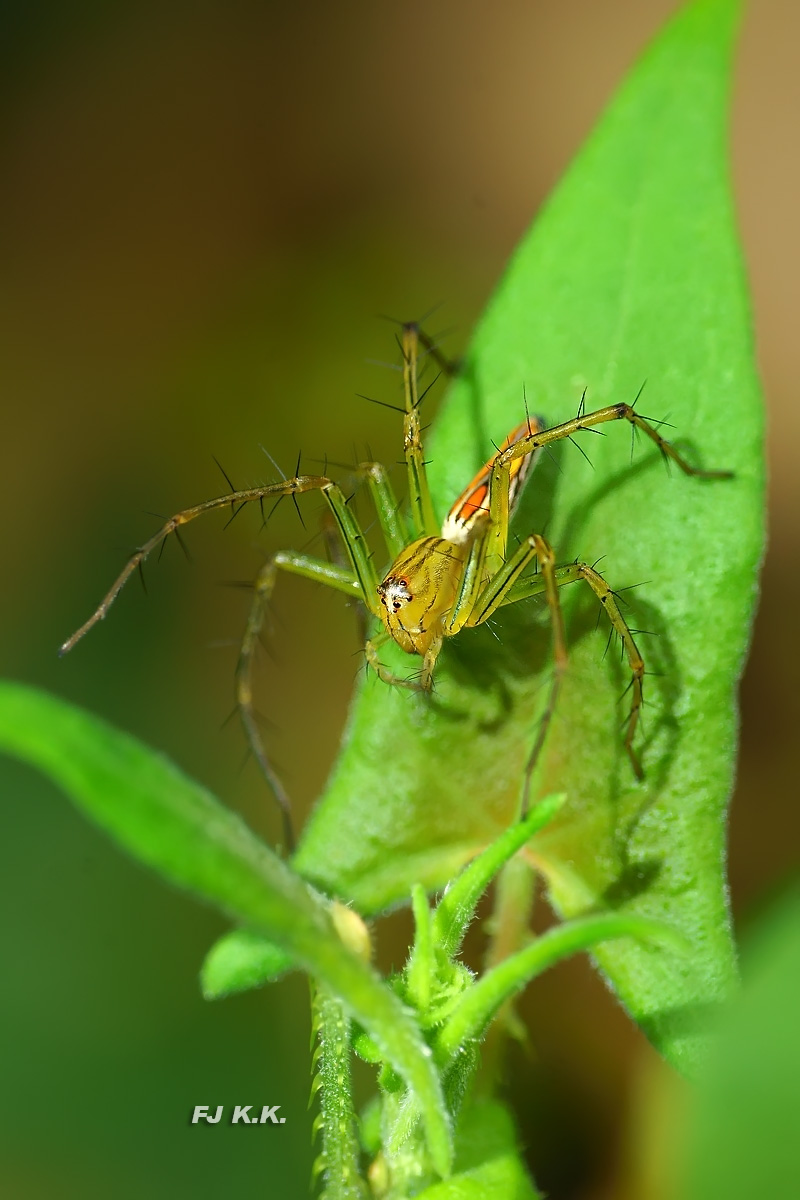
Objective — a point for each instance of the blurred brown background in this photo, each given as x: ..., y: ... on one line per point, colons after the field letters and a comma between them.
x: 203, y: 209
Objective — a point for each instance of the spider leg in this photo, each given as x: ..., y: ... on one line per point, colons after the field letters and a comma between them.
x: 338, y: 556
x: 422, y: 684
x: 614, y: 412
x: 373, y: 661
x: 429, y: 662
x: 537, y: 439
x: 310, y: 568
x: 504, y: 587
x: 348, y: 527
x: 494, y: 594
x: 389, y: 510
x: 472, y: 578
x: 608, y: 601
x: 422, y: 514
x: 431, y: 344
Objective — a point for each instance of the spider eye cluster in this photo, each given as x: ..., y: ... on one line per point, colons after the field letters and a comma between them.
x: 394, y: 593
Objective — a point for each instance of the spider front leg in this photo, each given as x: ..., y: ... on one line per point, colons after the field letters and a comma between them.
x: 310, y: 568
x: 416, y: 559
x: 359, y: 580
x: 346, y: 523
x: 613, y: 412
x: 422, y: 514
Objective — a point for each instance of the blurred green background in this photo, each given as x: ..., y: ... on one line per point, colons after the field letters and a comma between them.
x: 204, y: 208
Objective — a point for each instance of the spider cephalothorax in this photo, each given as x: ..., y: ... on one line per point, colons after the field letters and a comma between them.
x: 419, y: 591
x: 443, y: 578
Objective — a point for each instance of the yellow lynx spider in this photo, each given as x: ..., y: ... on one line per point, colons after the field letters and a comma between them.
x: 442, y: 578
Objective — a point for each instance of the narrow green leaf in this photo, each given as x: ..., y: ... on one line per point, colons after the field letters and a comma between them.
x: 240, y: 960
x: 476, y: 1007
x: 174, y: 825
x: 631, y: 272
x: 456, y: 908
x: 419, y: 971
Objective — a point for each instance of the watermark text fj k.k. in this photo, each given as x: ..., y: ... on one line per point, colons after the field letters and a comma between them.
x: 242, y: 1114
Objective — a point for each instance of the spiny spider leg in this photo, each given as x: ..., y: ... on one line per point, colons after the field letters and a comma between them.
x: 337, y: 555
x: 571, y: 573
x: 614, y: 412
x: 503, y: 573
x: 422, y: 515
x: 431, y: 347
x: 310, y: 568
x: 348, y: 527
x: 359, y: 581
x: 495, y: 594
x: 389, y: 510
x: 429, y: 343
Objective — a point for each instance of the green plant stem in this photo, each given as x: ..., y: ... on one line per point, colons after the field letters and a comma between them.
x: 476, y: 1007
x: 339, y: 1160
x: 509, y: 927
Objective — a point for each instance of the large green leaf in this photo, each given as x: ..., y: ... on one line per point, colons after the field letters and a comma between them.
x: 741, y: 1123
x: 632, y: 271
x: 174, y: 825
